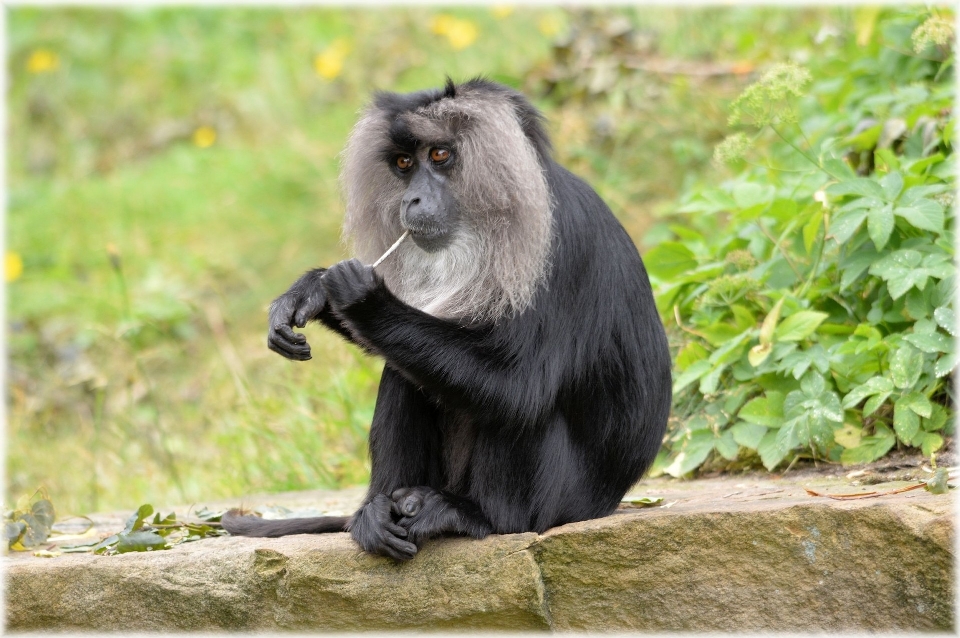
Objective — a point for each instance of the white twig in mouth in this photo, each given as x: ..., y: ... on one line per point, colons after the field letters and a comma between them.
x: 390, y: 250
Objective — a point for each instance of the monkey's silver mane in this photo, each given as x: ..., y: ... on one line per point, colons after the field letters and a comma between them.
x: 499, y: 254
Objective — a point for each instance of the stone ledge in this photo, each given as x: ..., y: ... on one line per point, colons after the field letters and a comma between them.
x: 727, y: 554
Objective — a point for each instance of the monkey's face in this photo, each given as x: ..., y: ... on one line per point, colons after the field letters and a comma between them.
x: 428, y: 208
x: 463, y: 169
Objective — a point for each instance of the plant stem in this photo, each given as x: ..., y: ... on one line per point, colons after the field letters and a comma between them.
x: 776, y: 245
x: 804, y: 154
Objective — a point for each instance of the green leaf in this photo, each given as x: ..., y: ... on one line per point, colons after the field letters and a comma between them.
x: 106, y: 543
x: 668, y: 260
x: 849, y: 436
x: 140, y: 542
x: 642, y: 501
x: 874, y: 386
x: 937, y: 484
x: 793, y: 433
x: 690, y: 354
x: 906, y: 365
x: 710, y: 381
x: 916, y: 402
x: 13, y: 531
x: 906, y: 423
x: 854, y: 265
x: 799, y: 325
x: 691, y: 374
x: 914, y: 193
x: 771, y: 453
x: 892, y: 184
x: 946, y: 319
x: 694, y: 452
x: 871, y: 447
x: 759, y: 353
x: 811, y: 229
x: 916, y: 304
x: 748, y: 194
x: 727, y: 446
x: 938, y: 418
x: 709, y: 202
x: 798, y: 362
x: 770, y: 322
x: 766, y: 411
x: 945, y: 365
x: 931, y: 342
x: 873, y: 403
x: 135, y: 522
x: 880, y: 225
x: 924, y: 214
x: 858, y: 186
x: 930, y: 443
x: 812, y: 385
x: 748, y: 434
x: 902, y: 271
x: 743, y: 317
x: 846, y: 224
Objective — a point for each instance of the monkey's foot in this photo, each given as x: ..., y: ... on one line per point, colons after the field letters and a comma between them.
x: 425, y: 513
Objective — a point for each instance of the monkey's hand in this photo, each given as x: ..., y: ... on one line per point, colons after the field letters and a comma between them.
x: 302, y: 303
x: 349, y: 282
x: 373, y: 528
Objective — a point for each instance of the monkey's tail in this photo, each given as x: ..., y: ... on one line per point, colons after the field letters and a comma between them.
x: 239, y: 525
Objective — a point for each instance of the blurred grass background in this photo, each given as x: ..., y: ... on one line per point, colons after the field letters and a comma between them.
x: 172, y: 170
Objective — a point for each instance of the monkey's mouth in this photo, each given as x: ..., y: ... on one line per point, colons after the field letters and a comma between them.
x: 429, y: 239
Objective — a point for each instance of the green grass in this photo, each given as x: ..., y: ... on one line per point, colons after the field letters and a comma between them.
x: 146, y: 378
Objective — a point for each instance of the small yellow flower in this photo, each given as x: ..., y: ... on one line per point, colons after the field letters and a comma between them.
x: 441, y: 24
x: 13, y: 266
x: 550, y: 25
x: 204, y: 137
x: 501, y: 11
x: 42, y: 61
x: 460, y: 33
x: 329, y: 63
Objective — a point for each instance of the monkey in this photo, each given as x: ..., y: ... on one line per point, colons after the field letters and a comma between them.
x: 526, y: 380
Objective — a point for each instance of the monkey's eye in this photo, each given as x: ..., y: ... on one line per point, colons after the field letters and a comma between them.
x: 439, y: 155
x: 404, y: 162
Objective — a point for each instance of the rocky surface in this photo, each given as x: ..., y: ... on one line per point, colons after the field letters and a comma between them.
x: 727, y: 554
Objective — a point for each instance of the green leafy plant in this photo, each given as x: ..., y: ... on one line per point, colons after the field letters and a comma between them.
x: 810, y: 296
x: 30, y: 522
x: 140, y: 534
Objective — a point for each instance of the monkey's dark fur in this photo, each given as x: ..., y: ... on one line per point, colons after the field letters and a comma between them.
x: 510, y: 401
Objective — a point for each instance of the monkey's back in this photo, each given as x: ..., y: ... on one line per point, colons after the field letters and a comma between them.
x: 593, y: 373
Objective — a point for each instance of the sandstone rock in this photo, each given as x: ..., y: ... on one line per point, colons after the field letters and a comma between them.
x: 718, y: 555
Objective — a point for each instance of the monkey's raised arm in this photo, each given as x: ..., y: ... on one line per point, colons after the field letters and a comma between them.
x: 306, y: 300
x: 453, y: 361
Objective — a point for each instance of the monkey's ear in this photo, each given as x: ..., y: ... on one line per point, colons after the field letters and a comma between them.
x: 450, y: 89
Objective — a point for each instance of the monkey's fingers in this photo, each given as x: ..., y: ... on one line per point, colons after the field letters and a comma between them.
x: 348, y: 282
x: 284, y: 341
x: 287, y: 333
x: 310, y: 308
x: 395, y: 529
x: 398, y: 549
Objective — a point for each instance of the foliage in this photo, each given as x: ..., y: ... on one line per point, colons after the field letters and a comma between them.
x: 143, y: 535
x: 810, y: 295
x: 29, y: 524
